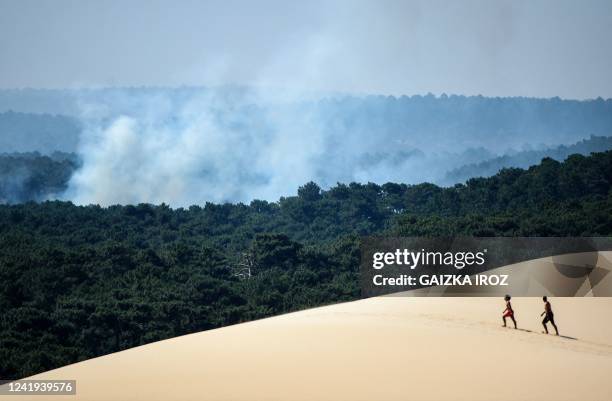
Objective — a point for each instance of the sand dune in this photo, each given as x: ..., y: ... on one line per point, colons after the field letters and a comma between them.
x: 389, y: 348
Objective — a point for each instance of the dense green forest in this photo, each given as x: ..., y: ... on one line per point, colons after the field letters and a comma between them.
x: 81, y: 281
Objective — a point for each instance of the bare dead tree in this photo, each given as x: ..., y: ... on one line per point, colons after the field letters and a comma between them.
x: 246, y: 266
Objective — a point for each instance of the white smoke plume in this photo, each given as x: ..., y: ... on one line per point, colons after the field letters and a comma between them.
x: 207, y: 148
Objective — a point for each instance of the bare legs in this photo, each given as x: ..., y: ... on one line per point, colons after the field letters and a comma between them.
x: 550, y: 319
x: 513, y: 321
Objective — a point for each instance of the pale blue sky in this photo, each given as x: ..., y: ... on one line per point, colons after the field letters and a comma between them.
x: 505, y: 48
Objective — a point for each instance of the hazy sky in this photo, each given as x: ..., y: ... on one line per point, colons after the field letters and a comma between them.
x: 530, y: 48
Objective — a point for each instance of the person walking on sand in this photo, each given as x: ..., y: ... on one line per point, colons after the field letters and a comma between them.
x: 508, y: 312
x: 550, y: 317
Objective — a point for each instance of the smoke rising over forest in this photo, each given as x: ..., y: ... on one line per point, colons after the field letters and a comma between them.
x: 192, y: 145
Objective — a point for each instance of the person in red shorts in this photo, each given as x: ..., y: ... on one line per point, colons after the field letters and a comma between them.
x: 508, y: 312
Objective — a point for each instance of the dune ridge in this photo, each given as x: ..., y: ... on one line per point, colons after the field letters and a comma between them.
x: 388, y: 348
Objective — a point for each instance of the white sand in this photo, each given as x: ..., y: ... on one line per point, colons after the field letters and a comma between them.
x: 377, y: 349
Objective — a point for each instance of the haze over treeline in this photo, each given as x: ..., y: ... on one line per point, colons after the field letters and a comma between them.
x: 190, y: 145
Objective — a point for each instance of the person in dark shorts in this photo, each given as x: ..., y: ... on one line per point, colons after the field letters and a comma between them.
x: 550, y: 317
x: 508, y: 312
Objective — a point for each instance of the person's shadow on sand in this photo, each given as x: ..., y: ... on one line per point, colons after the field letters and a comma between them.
x: 566, y: 337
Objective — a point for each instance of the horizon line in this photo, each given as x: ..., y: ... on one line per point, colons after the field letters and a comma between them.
x: 321, y: 93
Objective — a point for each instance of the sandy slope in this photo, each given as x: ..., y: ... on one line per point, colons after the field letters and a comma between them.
x: 377, y: 349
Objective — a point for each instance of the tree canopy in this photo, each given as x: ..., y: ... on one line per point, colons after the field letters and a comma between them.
x: 82, y: 281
